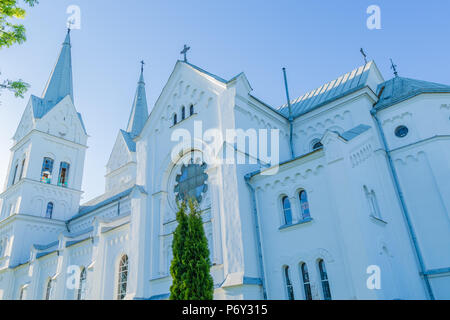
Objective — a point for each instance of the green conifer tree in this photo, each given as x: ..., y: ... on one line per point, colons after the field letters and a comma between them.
x: 177, y: 268
x: 197, y: 279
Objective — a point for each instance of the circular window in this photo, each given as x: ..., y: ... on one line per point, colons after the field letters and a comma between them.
x: 401, y: 131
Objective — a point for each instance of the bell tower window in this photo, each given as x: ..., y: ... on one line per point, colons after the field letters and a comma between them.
x: 15, y: 174
x: 63, y: 174
x: 49, y: 212
x: 47, y: 168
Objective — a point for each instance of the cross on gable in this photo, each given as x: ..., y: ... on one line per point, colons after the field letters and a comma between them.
x: 184, y: 52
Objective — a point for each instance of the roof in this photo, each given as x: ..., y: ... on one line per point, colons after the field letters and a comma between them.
x: 356, y: 131
x: 104, y: 200
x: 399, y: 89
x: 131, y: 144
x: 333, y: 90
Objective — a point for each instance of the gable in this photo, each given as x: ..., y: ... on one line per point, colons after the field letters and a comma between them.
x: 63, y: 121
x: 26, y: 123
x: 120, y: 154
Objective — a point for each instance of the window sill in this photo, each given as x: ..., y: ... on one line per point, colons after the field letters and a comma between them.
x: 375, y: 219
x: 181, y: 121
x: 301, y: 222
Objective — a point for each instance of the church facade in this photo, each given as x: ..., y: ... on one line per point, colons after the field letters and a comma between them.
x: 343, y: 193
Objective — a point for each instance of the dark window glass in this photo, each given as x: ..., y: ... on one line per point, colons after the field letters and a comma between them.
x: 192, y: 182
x: 81, y: 294
x: 49, y: 212
x: 15, y: 174
x: 63, y: 174
x: 287, y: 210
x: 304, y: 205
x: 183, y: 113
x: 47, y: 168
x: 290, y: 289
x: 306, y: 282
x: 401, y: 131
x: 324, y: 281
x: 317, y: 145
x: 48, y: 292
x: 21, y: 169
x: 123, y: 278
x: 191, y: 110
x: 175, y: 119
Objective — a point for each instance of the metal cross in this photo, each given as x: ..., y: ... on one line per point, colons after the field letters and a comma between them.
x: 184, y: 51
x: 394, y: 67
x: 364, y: 55
x: 142, y: 65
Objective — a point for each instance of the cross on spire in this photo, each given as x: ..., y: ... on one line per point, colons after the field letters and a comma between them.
x: 184, y: 52
x: 364, y: 55
x: 142, y: 65
x: 394, y: 68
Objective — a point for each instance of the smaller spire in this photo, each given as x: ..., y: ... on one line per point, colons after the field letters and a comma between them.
x: 139, y: 110
x: 394, y: 68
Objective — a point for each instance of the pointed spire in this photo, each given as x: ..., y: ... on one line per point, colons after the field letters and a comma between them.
x: 60, y: 83
x: 139, y: 111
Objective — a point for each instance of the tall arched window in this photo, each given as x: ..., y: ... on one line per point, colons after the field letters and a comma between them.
x: 123, y: 278
x: 22, y: 292
x: 183, y: 113
x: 47, y: 168
x: 191, y: 110
x: 289, y: 287
x: 306, y: 281
x: 304, y: 205
x: 49, y: 289
x: 15, y: 174
x: 287, y: 210
x: 63, y: 174
x: 22, y: 169
x: 81, y: 294
x: 49, y: 212
x: 324, y: 280
x: 175, y: 119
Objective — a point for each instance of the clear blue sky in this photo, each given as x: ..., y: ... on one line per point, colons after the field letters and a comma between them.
x: 316, y: 40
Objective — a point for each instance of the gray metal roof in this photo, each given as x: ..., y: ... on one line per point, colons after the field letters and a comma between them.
x: 399, y: 89
x: 333, y: 90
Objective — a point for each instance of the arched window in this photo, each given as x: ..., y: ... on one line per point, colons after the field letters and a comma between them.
x: 306, y: 281
x: 21, y: 169
x: 63, y: 174
x: 324, y: 280
x: 49, y: 212
x: 191, y: 110
x: 15, y: 174
x: 123, y: 278
x: 289, y: 287
x: 287, y: 210
x: 1, y: 248
x: 47, y: 168
x: 175, y: 119
x: 81, y: 294
x: 304, y: 205
x: 22, y: 292
x: 183, y: 113
x: 316, y: 144
x: 49, y: 289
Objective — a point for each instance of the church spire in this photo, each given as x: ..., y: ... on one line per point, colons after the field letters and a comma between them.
x: 60, y: 83
x: 139, y: 111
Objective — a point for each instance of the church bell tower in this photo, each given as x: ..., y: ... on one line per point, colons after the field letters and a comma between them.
x: 43, y: 185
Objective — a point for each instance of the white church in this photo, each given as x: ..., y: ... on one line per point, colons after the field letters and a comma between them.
x: 356, y: 205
